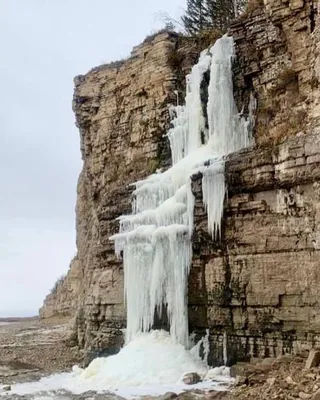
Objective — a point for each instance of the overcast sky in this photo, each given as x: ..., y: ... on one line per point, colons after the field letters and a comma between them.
x: 44, y: 44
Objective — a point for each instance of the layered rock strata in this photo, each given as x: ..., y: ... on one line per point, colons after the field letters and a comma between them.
x: 64, y: 297
x: 277, y: 59
x: 256, y: 289
x: 122, y: 114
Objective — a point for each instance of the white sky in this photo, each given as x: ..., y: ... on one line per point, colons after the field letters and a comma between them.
x: 44, y: 44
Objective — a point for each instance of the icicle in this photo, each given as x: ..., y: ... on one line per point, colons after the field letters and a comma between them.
x: 206, y: 347
x: 200, y: 349
x: 213, y: 190
x: 224, y: 345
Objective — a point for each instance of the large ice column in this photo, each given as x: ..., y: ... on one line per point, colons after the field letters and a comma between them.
x: 155, y: 240
x: 189, y: 121
x: 228, y: 132
x: 156, y: 247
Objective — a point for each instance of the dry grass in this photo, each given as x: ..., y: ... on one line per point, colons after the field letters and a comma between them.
x: 153, y: 165
x: 175, y: 59
x: 268, y: 136
x: 279, y: 115
x: 58, y: 283
x: 153, y: 35
x: 194, y: 44
x: 207, y: 38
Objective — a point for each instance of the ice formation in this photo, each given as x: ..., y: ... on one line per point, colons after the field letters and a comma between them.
x: 151, y: 364
x: 189, y: 121
x: 155, y: 239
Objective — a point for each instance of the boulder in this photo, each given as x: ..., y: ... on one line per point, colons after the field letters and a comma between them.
x: 304, y: 396
x: 191, y: 378
x: 169, y: 396
x: 290, y: 381
x: 313, y: 359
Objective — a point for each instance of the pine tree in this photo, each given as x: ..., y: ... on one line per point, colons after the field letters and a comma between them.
x: 196, y: 17
x: 221, y: 13
x: 206, y: 14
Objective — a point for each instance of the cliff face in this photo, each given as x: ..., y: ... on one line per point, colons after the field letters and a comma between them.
x: 255, y: 290
x: 259, y: 287
x: 64, y: 297
x: 276, y: 49
x: 122, y: 114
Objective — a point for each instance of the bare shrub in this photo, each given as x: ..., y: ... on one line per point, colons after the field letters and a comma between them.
x: 58, y: 283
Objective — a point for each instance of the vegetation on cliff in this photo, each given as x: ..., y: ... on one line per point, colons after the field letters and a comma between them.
x: 210, y: 14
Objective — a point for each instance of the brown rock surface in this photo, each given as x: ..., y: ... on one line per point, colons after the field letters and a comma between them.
x: 313, y: 359
x: 256, y: 290
x: 302, y: 384
x: 63, y: 300
x: 277, y: 45
x: 122, y: 114
x: 33, y: 348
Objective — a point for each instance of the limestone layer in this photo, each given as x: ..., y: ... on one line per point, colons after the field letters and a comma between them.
x: 257, y: 289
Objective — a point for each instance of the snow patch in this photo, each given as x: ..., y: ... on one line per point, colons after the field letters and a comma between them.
x: 151, y: 364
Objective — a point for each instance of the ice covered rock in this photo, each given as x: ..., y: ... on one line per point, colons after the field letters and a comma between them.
x: 191, y: 378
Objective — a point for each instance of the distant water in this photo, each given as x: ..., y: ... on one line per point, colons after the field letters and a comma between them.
x: 3, y: 323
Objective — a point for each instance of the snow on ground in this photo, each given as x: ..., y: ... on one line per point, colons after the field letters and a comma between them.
x: 152, y: 364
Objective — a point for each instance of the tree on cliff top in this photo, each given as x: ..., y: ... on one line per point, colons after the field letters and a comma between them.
x: 196, y: 17
x: 210, y: 14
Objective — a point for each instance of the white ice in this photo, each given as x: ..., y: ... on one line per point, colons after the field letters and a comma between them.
x: 189, y: 122
x: 155, y: 240
x: 151, y: 364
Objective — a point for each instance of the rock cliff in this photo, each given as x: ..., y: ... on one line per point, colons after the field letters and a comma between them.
x: 256, y: 290
x: 122, y: 113
x: 64, y: 297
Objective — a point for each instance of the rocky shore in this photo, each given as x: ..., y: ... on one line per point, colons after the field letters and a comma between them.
x: 31, y: 348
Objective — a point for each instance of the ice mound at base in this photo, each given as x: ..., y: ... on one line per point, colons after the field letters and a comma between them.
x: 153, y: 358
x: 151, y: 364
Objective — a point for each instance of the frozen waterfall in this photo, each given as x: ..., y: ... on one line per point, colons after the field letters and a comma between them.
x: 155, y: 240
